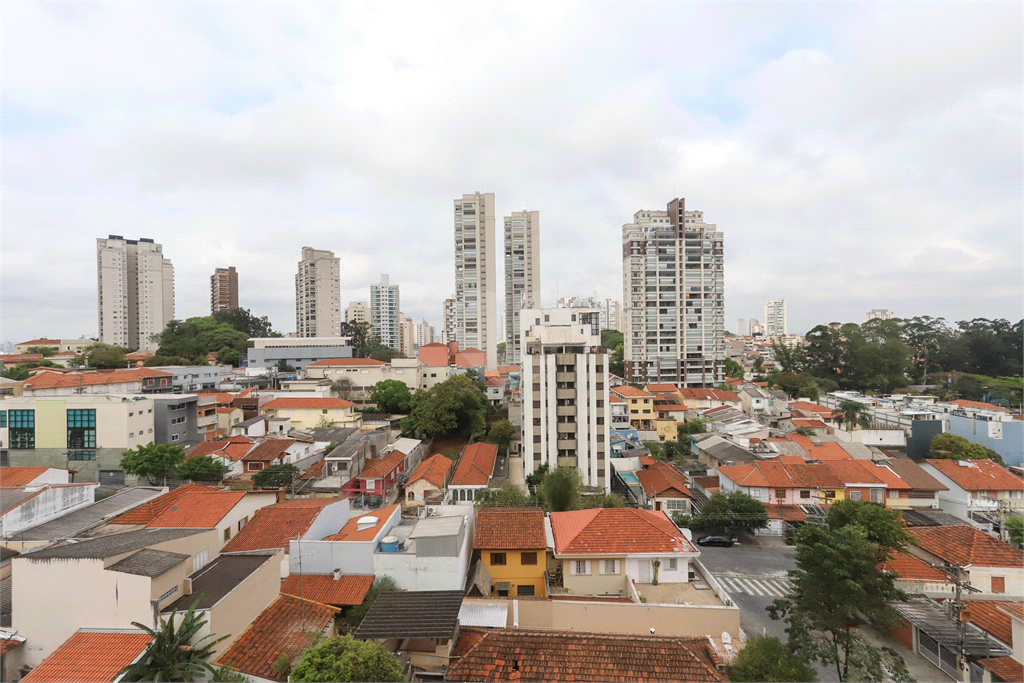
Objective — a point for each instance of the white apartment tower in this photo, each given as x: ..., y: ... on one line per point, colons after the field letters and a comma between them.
x: 741, y: 327
x: 522, y: 274
x: 136, y: 291
x: 448, y: 331
x: 566, y: 414
x: 357, y: 312
x: 385, y: 317
x: 318, y: 294
x: 476, y: 303
x: 424, y: 334
x: 880, y: 314
x: 775, y: 318
x: 673, y: 298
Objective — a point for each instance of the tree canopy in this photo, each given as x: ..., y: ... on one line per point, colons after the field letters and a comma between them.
x: 734, y: 369
x: 560, y: 489
x: 343, y: 658
x: 881, y: 525
x: 176, y: 653
x: 391, y: 396
x: 153, y: 461
x: 455, y: 406
x: 501, y: 434
x: 105, y: 356
x: 366, y: 344
x: 613, y: 340
x: 506, y: 495
x: 201, y: 468
x: 730, y: 513
x: 192, y: 339
x: 949, y: 446
x: 766, y: 658
x: 275, y: 476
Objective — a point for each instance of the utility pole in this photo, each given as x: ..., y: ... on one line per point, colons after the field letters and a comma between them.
x: 960, y: 612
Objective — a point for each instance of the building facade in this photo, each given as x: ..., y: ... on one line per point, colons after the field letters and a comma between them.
x: 476, y: 303
x: 136, y: 291
x: 673, y: 298
x: 775, y: 324
x: 880, y: 314
x: 610, y: 310
x: 357, y: 312
x: 297, y: 352
x: 741, y: 327
x: 522, y: 274
x: 566, y: 414
x: 448, y: 331
x: 318, y: 294
x: 385, y: 317
x: 224, y: 290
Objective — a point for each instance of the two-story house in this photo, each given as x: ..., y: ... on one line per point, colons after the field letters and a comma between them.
x: 924, y: 488
x: 989, y: 565
x: 379, y: 475
x: 975, y: 486
x: 226, y: 511
x: 307, y: 413
x: 642, y: 414
x: 512, y: 545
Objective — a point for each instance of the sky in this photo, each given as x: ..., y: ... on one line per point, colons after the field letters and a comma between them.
x: 855, y: 155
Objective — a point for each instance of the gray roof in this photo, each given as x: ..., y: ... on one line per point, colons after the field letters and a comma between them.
x: 251, y: 421
x: 217, y: 579
x: 83, y: 519
x: 109, y: 546
x: 728, y: 452
x: 148, y: 562
x: 332, y: 434
x: 420, y: 614
x: 7, y: 553
x: 929, y: 617
x: 931, y: 518
x: 12, y: 498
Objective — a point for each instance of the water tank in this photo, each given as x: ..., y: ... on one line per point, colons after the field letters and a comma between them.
x: 389, y: 544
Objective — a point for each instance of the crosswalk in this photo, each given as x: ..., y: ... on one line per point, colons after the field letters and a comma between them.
x: 773, y: 588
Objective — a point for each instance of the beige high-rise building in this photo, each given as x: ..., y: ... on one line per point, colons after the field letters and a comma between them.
x: 136, y: 291
x: 775, y: 322
x: 522, y: 274
x: 448, y: 331
x: 357, y: 312
x: 476, y: 302
x: 406, y: 335
x: 673, y: 298
x: 318, y: 294
x: 224, y: 290
x: 424, y: 334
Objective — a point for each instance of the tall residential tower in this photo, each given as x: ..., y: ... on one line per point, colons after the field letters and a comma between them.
x: 522, y: 274
x: 775, y: 324
x: 136, y: 291
x: 384, y: 314
x: 318, y: 294
x: 476, y: 309
x: 224, y: 290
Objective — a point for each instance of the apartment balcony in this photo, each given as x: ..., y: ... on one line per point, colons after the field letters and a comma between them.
x: 562, y: 411
x: 565, y: 393
x: 566, y: 445
x: 566, y: 427
x: 565, y: 376
x: 204, y: 421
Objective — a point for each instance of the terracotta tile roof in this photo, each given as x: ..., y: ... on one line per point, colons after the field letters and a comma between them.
x: 509, y: 529
x: 790, y: 459
x: 476, y: 465
x: 646, y: 460
x: 274, y: 526
x: 268, y: 451
x: 670, y: 407
x: 912, y: 568
x: 1007, y: 668
x: 612, y: 398
x: 851, y: 472
x: 989, y: 616
x: 824, y: 411
x: 813, y: 424
x: 378, y: 468
x: 9, y: 358
x: 434, y: 355
x: 915, y: 476
x: 470, y: 358
x: 434, y: 469
x: 19, y: 476
x: 345, y: 362
x: 631, y: 392
x: 1014, y: 608
x: 813, y: 475
x: 528, y: 655
x: 787, y: 513
x: 616, y: 531
x: 51, y: 380
x: 314, y: 471
x: 964, y: 545
x: 41, y: 342
x: 820, y: 450
x: 90, y: 657
x: 661, y: 477
x: 197, y: 510
x: 886, y: 474
x: 494, y: 382
x: 710, y: 394
x: 147, y: 512
x: 307, y: 403
x: 663, y: 388
x: 287, y: 627
x: 8, y: 644
x: 204, y: 448
x: 345, y: 591
x: 978, y: 475
x: 351, y: 531
x: 964, y: 403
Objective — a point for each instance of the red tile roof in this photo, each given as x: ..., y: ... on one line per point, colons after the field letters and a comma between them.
x: 1006, y: 668
x: 964, y: 545
x: 197, y: 510
x: 268, y: 451
x: 51, y: 380
x: 813, y: 475
x: 509, y: 529
x: 287, y: 627
x: 274, y: 526
x: 912, y: 568
x: 434, y: 469
x: 824, y: 411
x: 494, y: 382
x: 8, y: 644
x: 886, y: 474
x: 616, y: 531
x: 307, y: 403
x: 663, y: 388
x: 631, y: 392
x: 851, y: 472
x: 9, y: 358
x: 41, y: 342
x: 150, y: 510
x: 345, y: 591
x: 351, y: 531
x: 1014, y: 608
x: 812, y: 424
x: 963, y: 403
x: 19, y: 476
x: 978, y: 475
x: 535, y: 655
x: 989, y: 615
x: 476, y: 465
x: 661, y: 477
x: 378, y: 468
x: 820, y: 450
x: 710, y: 394
x: 790, y: 459
x: 434, y: 355
x: 345, y: 362
x: 470, y: 358
x: 90, y: 657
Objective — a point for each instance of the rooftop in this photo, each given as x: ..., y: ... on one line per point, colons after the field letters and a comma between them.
x: 345, y: 591
x: 90, y: 656
x: 345, y: 362
x: 419, y: 614
x: 378, y: 468
x: 218, y: 578
x: 989, y: 615
x: 476, y: 465
x: 977, y: 475
x: 352, y: 531
x: 110, y: 546
x: 616, y: 531
x: 53, y: 380
x: 148, y: 562
x: 274, y: 526
x: 660, y: 477
x: 915, y: 476
x: 198, y: 510
x: 434, y: 469
x: 307, y: 403
x: 965, y: 545
x: 509, y: 528
x: 912, y: 568
x: 148, y: 511
x: 19, y: 476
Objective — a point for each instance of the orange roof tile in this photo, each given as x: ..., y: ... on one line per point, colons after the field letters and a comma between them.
x: 964, y: 545
x: 989, y: 615
x: 1006, y: 668
x: 345, y: 362
x: 812, y: 424
x: 509, y: 529
x: 274, y: 526
x: 351, y: 531
x: 710, y: 394
x: 150, y: 510
x: 434, y: 469
x: 197, y: 510
x: 813, y: 475
x: 19, y: 476
x: 307, y: 403
x: 268, y: 451
x: 494, y: 382
x: 1015, y: 609
x: 912, y: 568
x: 8, y: 644
x: 630, y: 392
x: 476, y: 465
x: 664, y: 388
x: 434, y: 355
x: 790, y: 459
x: 90, y: 657
x: 9, y: 358
x: 345, y: 591
x: 964, y: 403
x: 314, y: 471
x: 820, y: 450
x: 886, y: 474
x: 978, y: 475
x: 616, y: 531
x: 287, y: 627
x: 646, y: 460
x: 660, y: 478
x: 851, y: 472
x: 378, y: 468
x: 824, y: 411
x: 41, y: 342
x: 51, y: 380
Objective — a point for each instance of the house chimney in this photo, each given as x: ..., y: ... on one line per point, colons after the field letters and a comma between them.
x: 187, y: 587
x: 337, y: 574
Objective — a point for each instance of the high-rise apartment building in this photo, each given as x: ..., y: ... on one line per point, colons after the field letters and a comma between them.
x: 406, y: 335
x: 673, y: 295
x: 424, y: 334
x: 384, y: 313
x: 609, y: 309
x: 775, y: 324
x: 224, y: 290
x: 357, y: 312
x: 566, y: 414
x: 741, y: 327
x: 476, y: 302
x: 136, y: 291
x: 880, y: 314
x: 522, y: 274
x: 448, y: 331
x: 318, y: 294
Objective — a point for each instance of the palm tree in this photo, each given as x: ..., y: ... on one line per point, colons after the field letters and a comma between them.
x: 854, y: 413
x: 171, y: 655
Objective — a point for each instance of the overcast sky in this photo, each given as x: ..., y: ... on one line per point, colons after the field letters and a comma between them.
x: 855, y: 156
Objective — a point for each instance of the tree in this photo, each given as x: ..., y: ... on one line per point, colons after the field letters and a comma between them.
x: 455, y: 406
x: 244, y: 321
x: 153, y: 461
x: 229, y: 356
x: 359, y: 334
x: 194, y: 338
x: 881, y: 525
x: 501, y: 434
x: 766, y: 658
x: 16, y: 372
x: 949, y: 446
x: 734, y: 369
x: 381, y: 584
x: 789, y: 358
x: 105, y: 356
x: 175, y: 653
x: 343, y: 658
x: 854, y: 413
x: 534, y: 479
x: 343, y: 388
x: 731, y: 512
x: 836, y: 583
x: 613, y: 341
x: 283, y: 367
x: 506, y: 495
x: 501, y: 353
x: 159, y: 361
x: 201, y: 468
x: 275, y: 476
x: 44, y: 351
x: 1015, y: 529
x: 391, y: 396
x: 604, y: 500
x: 560, y: 489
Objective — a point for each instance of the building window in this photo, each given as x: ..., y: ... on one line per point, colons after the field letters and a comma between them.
x: 498, y: 558
x: 3, y: 419
x: 856, y: 495
x: 675, y: 504
x: 242, y: 522
x: 780, y: 494
x: 227, y: 533
x: 673, y: 564
x: 199, y: 561
x: 805, y: 494
x: 609, y: 566
x: 998, y: 584
x: 175, y: 437
x: 580, y: 567
x: 527, y: 558
x: 525, y: 591
x: 81, y: 429
x: 22, y: 426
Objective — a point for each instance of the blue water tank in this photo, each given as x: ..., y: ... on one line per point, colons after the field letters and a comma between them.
x: 389, y: 544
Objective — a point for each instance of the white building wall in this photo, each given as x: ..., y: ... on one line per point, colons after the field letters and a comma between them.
x: 51, y: 503
x: 476, y: 304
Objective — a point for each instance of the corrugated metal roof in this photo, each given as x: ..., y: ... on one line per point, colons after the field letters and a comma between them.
x: 483, y: 615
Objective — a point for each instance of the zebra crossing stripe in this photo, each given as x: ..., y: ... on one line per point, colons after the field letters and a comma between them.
x: 748, y: 583
x: 761, y: 587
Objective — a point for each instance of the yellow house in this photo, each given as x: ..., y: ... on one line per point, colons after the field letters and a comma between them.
x: 310, y: 413
x: 642, y: 413
x: 668, y: 430
x: 513, y: 550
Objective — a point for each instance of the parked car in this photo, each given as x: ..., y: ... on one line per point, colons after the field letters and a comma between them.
x: 719, y: 541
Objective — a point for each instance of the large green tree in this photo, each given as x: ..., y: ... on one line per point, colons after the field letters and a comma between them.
x: 154, y: 461
x: 560, y: 489
x: 105, y: 356
x: 244, y: 321
x: 501, y: 434
x: 766, y: 658
x: 730, y: 513
x: 613, y: 341
x: 177, y: 651
x: 506, y: 495
x: 343, y: 658
x: 881, y: 525
x: 275, y: 476
x: 455, y: 406
x: 192, y: 339
x: 734, y: 369
x: 949, y: 446
x: 201, y: 468
x: 391, y: 396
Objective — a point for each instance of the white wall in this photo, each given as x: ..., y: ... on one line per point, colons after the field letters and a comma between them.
x: 665, y: 575
x: 50, y: 503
